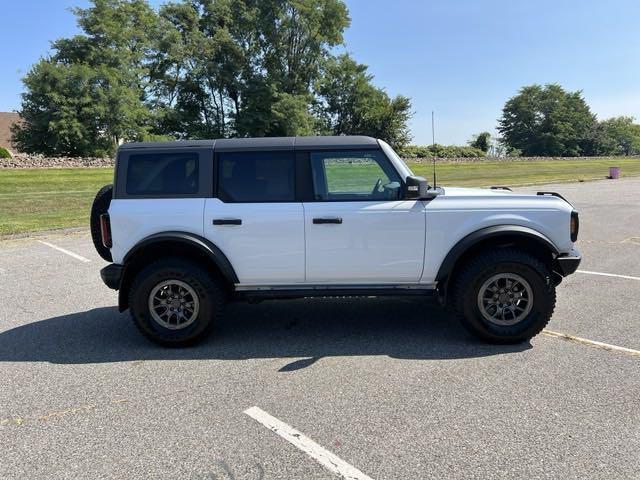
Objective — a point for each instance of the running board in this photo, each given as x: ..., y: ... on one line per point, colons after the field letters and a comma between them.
x: 300, y: 291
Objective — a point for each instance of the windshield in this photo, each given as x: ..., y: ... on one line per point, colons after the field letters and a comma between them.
x: 397, y: 161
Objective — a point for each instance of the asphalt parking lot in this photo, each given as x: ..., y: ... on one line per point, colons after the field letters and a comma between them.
x: 389, y: 388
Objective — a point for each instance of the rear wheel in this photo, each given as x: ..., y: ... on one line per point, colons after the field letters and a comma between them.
x: 504, y: 296
x: 175, y: 303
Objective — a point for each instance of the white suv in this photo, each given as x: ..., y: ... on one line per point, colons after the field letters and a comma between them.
x: 192, y: 225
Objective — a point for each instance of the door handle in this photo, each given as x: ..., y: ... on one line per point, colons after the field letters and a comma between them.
x: 322, y: 221
x: 227, y: 221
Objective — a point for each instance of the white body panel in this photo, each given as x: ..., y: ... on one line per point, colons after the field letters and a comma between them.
x: 461, y: 211
x: 268, y: 248
x: 135, y: 219
x: 377, y: 242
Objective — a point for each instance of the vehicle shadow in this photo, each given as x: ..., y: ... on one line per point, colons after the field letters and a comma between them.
x: 303, y: 330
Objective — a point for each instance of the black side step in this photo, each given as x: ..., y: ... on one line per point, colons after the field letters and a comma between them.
x: 364, y: 291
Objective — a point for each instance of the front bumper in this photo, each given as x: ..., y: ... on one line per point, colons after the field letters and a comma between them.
x: 567, y: 263
x: 112, y: 275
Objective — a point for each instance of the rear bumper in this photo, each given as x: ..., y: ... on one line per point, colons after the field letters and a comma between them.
x: 112, y: 275
x: 567, y: 263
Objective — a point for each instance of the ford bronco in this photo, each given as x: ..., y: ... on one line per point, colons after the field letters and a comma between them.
x: 191, y: 225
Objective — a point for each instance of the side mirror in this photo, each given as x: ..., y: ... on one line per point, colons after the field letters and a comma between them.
x: 416, y: 188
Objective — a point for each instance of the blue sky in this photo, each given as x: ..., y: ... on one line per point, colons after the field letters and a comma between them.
x: 461, y: 58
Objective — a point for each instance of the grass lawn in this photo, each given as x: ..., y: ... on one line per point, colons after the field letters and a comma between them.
x: 485, y: 174
x: 42, y: 199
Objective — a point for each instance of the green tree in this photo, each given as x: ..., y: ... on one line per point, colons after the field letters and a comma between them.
x: 202, y: 69
x: 618, y: 136
x: 239, y: 67
x: 482, y: 141
x: 547, y: 121
x: 67, y: 111
x: 440, y: 151
x: 90, y: 94
x: 198, y: 67
x: 351, y: 104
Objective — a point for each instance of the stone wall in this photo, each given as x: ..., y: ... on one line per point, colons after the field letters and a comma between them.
x: 38, y: 161
x: 505, y: 159
x: 22, y: 160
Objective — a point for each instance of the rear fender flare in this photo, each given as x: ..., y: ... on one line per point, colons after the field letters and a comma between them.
x: 189, y: 240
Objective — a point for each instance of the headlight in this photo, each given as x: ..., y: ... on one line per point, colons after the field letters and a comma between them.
x: 574, y: 226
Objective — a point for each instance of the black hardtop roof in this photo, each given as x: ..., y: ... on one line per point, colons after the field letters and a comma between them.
x: 263, y: 143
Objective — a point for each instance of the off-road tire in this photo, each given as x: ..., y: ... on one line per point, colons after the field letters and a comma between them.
x: 469, y: 281
x: 100, y: 205
x: 210, y: 296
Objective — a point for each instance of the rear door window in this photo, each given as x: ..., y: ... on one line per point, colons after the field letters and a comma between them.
x: 256, y: 177
x: 163, y: 174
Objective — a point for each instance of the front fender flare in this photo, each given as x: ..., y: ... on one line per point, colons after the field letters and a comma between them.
x: 496, y: 231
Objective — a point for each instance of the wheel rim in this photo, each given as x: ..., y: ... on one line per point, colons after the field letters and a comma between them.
x: 173, y: 304
x: 505, y: 299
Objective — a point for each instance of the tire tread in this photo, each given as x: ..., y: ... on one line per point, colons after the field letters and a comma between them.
x: 182, y: 268
x: 488, y: 259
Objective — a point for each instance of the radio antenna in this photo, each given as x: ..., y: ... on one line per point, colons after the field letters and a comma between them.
x: 433, y: 140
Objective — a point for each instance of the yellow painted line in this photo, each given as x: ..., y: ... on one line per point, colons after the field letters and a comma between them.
x: 47, y: 416
x: 57, y: 413
x: 592, y: 343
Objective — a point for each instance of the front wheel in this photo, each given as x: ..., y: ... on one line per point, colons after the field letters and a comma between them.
x: 174, y: 302
x: 504, y: 296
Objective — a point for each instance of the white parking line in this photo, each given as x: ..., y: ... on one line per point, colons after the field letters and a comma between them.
x: 592, y: 343
x: 308, y: 446
x: 588, y: 272
x: 60, y: 249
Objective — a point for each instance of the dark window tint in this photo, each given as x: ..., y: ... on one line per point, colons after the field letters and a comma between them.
x: 256, y: 177
x: 163, y: 174
x: 354, y: 175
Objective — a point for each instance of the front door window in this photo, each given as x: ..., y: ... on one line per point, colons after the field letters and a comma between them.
x: 354, y: 176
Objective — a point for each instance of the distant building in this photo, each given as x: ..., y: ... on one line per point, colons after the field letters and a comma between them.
x: 7, y: 119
